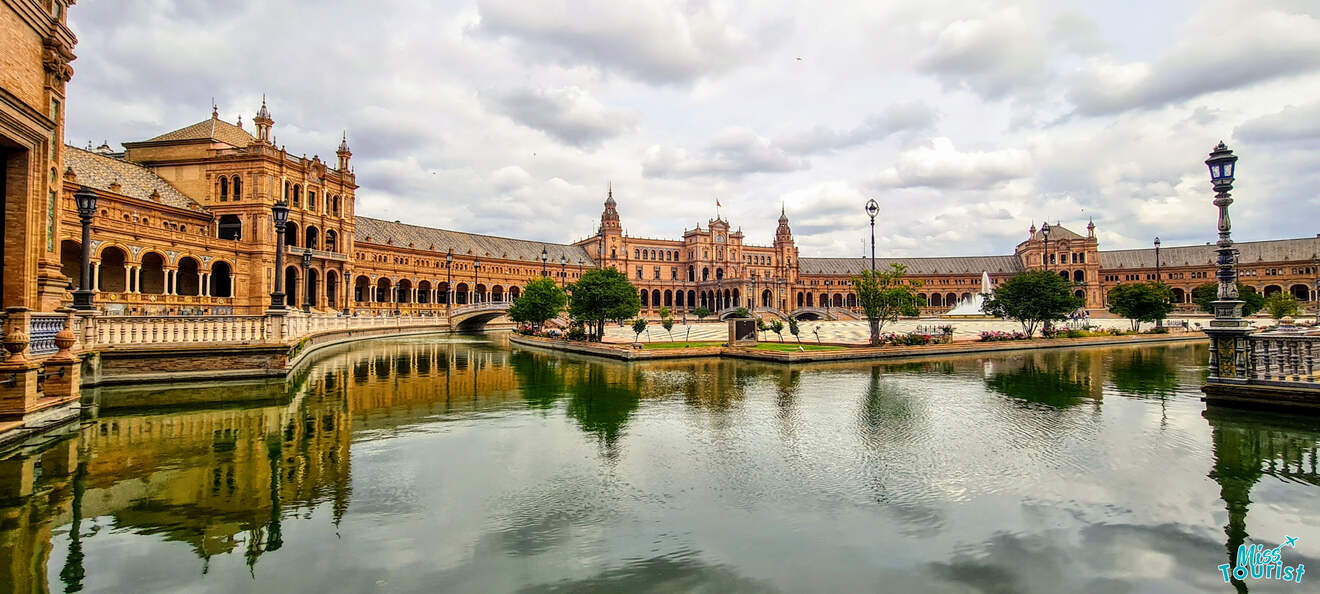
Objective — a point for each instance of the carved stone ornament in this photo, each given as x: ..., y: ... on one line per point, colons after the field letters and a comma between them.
x: 16, y: 342
x: 55, y: 58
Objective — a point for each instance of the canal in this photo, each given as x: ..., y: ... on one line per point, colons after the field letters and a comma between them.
x: 460, y: 464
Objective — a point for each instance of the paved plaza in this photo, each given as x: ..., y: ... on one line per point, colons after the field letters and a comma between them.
x: 855, y: 331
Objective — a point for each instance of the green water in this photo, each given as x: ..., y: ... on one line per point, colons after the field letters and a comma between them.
x: 464, y: 465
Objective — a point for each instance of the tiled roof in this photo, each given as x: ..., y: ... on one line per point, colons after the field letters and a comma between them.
x: 1059, y: 233
x: 398, y: 234
x: 1249, y: 252
x: 136, y: 181
x: 211, y: 128
x: 919, y: 266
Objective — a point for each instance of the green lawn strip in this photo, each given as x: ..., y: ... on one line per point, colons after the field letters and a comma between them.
x: 679, y: 345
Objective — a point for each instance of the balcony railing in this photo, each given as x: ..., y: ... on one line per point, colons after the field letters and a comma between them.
x: 299, y: 251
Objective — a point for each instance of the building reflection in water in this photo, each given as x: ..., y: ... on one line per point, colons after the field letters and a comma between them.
x: 225, y: 480
x: 1249, y: 447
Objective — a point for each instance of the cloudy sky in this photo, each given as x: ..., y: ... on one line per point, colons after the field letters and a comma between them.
x: 966, y: 120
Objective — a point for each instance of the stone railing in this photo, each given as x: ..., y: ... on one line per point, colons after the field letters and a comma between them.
x: 301, y: 325
x: 133, y: 330
x: 1283, y: 356
x: 486, y: 306
x: 42, y: 328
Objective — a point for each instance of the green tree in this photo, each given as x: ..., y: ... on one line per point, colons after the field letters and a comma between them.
x: 1032, y: 298
x: 741, y: 312
x: 664, y: 312
x: 778, y: 328
x: 795, y: 330
x: 1281, y: 304
x: 1204, y: 295
x: 668, y: 324
x: 701, y: 312
x: 638, y: 327
x: 1141, y: 302
x: 540, y: 301
x: 603, y: 294
x: 884, y: 295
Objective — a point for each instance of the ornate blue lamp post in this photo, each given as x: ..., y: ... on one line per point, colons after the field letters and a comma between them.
x: 1228, y: 331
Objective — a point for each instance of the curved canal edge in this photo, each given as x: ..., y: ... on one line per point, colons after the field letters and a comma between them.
x: 625, y: 352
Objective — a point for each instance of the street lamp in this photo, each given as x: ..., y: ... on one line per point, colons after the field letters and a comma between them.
x: 83, y: 297
x: 1222, y: 161
x: 544, y: 258
x: 279, y: 213
x: 1160, y: 321
x: 449, y: 281
x: 307, y: 280
x: 1045, y: 232
x: 1157, y: 259
x: 563, y: 261
x: 872, y: 209
x: 1228, y: 332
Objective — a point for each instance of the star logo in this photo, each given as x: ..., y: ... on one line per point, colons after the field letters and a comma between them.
x: 1290, y: 541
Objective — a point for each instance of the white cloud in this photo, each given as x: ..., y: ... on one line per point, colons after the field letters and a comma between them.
x: 568, y: 114
x: 1221, y: 49
x: 939, y: 164
x: 500, y: 117
x: 1293, y: 123
x: 734, y: 152
x: 992, y: 55
x: 660, y: 41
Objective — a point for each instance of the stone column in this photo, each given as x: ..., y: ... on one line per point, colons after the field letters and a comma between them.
x: 96, y: 275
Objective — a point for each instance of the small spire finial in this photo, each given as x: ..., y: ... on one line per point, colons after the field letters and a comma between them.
x: 215, y: 111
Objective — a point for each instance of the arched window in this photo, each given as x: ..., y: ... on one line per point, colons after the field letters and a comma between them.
x: 336, y: 205
x: 238, y: 188
x: 224, y: 189
x: 331, y: 288
x: 291, y: 288
x: 291, y: 233
x: 313, y: 238
x: 331, y: 240
x: 221, y: 284
x: 188, y: 278
x: 230, y: 227
x: 361, y: 289
x: 152, y: 276
x: 297, y: 195
x: 114, y: 277
x: 71, y: 261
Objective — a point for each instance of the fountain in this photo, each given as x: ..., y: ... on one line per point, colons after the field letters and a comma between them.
x: 971, y: 308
